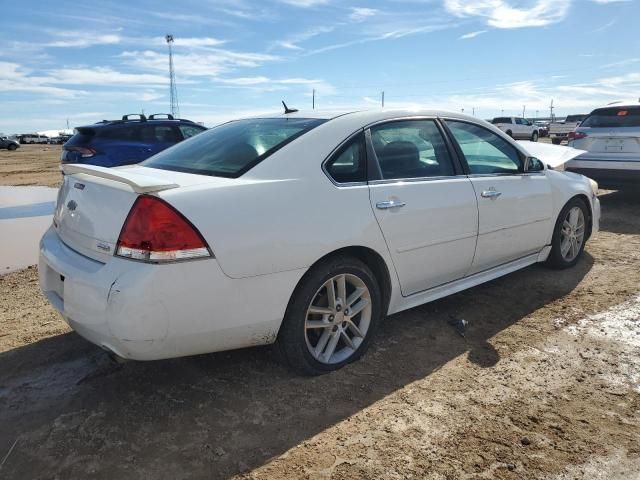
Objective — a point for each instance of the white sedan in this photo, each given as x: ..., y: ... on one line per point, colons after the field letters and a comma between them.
x: 303, y: 230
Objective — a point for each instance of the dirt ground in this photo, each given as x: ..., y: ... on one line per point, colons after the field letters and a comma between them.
x: 31, y: 165
x: 545, y: 384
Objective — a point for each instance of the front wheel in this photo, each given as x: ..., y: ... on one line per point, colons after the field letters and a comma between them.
x: 534, y: 137
x: 12, y: 147
x: 569, y: 235
x: 556, y: 141
x: 331, y: 317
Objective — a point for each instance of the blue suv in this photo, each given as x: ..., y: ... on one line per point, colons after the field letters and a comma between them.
x: 111, y: 143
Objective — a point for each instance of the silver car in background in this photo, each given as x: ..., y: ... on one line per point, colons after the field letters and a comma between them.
x: 611, y: 137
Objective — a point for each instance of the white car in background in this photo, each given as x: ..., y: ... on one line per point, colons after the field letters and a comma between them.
x: 517, y: 127
x: 611, y: 138
x: 304, y: 230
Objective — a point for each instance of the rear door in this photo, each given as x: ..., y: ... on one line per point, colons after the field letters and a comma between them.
x: 424, y: 204
x: 515, y: 208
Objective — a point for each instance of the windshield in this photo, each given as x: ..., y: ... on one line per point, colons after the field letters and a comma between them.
x: 501, y: 120
x: 574, y: 118
x: 613, y: 117
x: 233, y: 148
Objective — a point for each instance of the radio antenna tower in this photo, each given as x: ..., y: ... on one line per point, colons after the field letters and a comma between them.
x: 173, y: 91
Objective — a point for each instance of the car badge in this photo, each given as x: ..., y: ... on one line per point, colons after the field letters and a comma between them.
x: 79, y: 186
x: 72, y: 205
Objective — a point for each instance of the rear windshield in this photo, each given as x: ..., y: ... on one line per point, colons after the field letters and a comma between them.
x: 233, y: 148
x: 574, y: 118
x: 613, y: 117
x: 82, y: 136
x: 501, y: 120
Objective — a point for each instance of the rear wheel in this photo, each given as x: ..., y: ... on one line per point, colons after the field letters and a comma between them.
x: 331, y: 317
x: 534, y: 137
x: 556, y: 141
x: 569, y: 235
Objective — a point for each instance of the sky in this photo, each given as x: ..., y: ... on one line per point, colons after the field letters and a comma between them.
x: 82, y: 62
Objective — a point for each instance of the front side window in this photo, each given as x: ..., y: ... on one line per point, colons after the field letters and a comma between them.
x: 231, y: 149
x: 485, y: 152
x: 411, y: 149
x: 348, y: 165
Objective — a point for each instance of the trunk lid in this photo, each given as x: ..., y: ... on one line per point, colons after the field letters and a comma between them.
x: 607, y: 140
x: 93, y: 203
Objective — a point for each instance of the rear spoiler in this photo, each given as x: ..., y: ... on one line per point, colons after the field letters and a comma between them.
x: 139, y: 183
x: 552, y: 155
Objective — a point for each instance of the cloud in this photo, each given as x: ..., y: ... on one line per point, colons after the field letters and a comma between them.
x: 15, y: 78
x: 83, y: 39
x: 503, y: 14
x: 210, y: 62
x: 305, y: 3
x: 191, y: 41
x: 263, y: 83
x: 358, y: 14
x: 604, y: 2
x: 472, y: 34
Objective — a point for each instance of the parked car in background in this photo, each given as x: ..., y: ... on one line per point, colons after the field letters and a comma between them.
x: 8, y: 143
x: 543, y: 128
x: 517, y: 127
x: 30, y: 138
x: 303, y: 229
x: 59, y: 140
x: 559, y: 131
x: 134, y: 138
x: 611, y: 138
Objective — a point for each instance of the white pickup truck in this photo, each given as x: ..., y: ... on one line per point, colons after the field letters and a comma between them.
x: 559, y: 131
x: 517, y: 127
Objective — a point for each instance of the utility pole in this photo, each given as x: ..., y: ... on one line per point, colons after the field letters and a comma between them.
x: 473, y: 111
x: 383, y: 99
x: 524, y: 107
x: 173, y: 91
x: 551, y: 110
x: 313, y: 100
x: 536, y: 114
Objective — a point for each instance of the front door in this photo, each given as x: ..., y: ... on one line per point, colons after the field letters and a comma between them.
x: 515, y: 208
x: 427, y: 210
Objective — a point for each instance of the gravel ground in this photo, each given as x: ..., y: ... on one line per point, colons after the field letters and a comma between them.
x: 545, y: 384
x: 31, y: 165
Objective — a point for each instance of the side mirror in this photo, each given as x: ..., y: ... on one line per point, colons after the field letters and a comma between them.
x: 533, y: 164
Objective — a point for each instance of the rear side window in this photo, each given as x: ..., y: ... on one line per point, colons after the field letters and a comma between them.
x: 501, y: 120
x: 348, y: 165
x: 128, y: 133
x: 613, y: 117
x: 189, y: 131
x: 485, y: 152
x: 233, y: 148
x: 411, y: 149
x: 159, y: 134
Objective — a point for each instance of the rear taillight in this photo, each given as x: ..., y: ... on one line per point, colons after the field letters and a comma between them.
x: 84, y: 152
x: 156, y: 232
x: 576, y: 135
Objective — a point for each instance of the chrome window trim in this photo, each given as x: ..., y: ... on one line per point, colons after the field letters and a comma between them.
x: 415, y: 179
x: 323, y: 166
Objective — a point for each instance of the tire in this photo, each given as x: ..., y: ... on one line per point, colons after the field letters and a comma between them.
x: 297, y: 339
x: 556, y: 141
x: 534, y: 137
x: 12, y: 147
x: 510, y: 133
x: 557, y: 259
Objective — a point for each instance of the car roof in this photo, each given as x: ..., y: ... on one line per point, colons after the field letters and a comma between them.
x: 370, y: 116
x: 148, y: 121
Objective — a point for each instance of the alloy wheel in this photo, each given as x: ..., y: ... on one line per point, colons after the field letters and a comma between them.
x: 572, y: 234
x: 338, y: 318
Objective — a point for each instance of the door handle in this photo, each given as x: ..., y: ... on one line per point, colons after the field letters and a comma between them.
x: 390, y: 204
x: 490, y: 194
